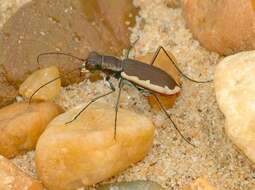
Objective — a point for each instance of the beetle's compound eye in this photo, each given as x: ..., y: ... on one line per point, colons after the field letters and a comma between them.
x: 94, y: 61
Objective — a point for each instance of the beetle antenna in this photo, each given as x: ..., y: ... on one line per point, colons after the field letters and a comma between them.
x: 47, y: 83
x: 172, y: 59
x: 169, y: 117
x: 58, y: 53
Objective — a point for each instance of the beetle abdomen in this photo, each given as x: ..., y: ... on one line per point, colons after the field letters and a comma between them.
x: 149, y: 77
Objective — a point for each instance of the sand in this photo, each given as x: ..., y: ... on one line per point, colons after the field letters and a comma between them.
x: 172, y: 162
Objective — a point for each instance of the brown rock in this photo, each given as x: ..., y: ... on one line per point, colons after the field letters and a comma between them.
x: 119, y: 15
x: 7, y: 91
x: 163, y: 63
x: 72, y: 26
x: 21, y: 124
x: 12, y: 178
x: 85, y: 26
x: 84, y: 152
x: 225, y: 26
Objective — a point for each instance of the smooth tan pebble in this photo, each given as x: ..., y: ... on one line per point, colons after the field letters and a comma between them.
x: 84, y: 152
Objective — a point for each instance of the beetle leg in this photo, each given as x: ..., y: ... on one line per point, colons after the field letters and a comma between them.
x: 173, y: 61
x: 143, y: 91
x: 164, y: 110
x: 95, y: 99
x: 155, y: 55
x: 117, y: 107
x: 169, y: 117
x: 169, y: 55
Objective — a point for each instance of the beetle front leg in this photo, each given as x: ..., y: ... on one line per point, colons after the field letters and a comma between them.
x: 117, y: 107
x: 111, y: 86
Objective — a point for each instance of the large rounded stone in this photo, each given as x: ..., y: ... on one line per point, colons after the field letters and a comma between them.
x: 235, y: 93
x: 224, y: 26
x: 84, y: 152
x: 21, y: 124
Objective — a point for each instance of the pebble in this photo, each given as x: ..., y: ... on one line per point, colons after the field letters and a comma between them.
x: 12, y: 178
x: 39, y: 78
x: 235, y: 93
x: 224, y: 27
x: 21, y: 124
x: 84, y: 152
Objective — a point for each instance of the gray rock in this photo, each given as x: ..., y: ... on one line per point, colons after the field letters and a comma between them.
x: 134, y: 185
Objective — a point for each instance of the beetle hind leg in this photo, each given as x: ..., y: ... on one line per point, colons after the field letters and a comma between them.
x: 174, y: 63
x: 169, y: 117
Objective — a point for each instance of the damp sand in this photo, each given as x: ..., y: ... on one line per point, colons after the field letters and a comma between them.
x: 171, y: 162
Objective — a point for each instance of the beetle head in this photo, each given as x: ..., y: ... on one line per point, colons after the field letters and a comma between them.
x: 94, y: 61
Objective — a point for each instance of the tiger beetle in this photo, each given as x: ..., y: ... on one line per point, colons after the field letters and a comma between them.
x: 145, y: 77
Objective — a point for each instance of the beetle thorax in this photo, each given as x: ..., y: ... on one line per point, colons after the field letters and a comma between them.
x: 96, y: 61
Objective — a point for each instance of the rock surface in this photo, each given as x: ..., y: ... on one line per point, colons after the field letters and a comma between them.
x: 84, y: 152
x: 37, y: 80
x: 7, y: 91
x: 235, y: 93
x: 11, y: 178
x: 71, y: 26
x: 226, y: 26
x: 133, y: 185
x: 21, y: 124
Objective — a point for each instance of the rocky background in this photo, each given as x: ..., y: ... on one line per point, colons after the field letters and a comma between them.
x: 171, y: 162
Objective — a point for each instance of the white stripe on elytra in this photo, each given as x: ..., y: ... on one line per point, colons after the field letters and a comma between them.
x: 147, y: 84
